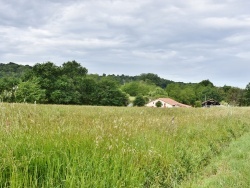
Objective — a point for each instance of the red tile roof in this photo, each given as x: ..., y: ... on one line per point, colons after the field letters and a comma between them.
x: 173, y: 102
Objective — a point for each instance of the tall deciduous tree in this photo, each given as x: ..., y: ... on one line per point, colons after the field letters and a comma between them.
x: 234, y: 96
x: 62, y: 85
x: 109, y: 94
x: 29, y: 91
x: 206, y: 83
x: 247, y: 95
x: 88, y: 88
x: 47, y: 74
x: 66, y: 91
x: 72, y: 69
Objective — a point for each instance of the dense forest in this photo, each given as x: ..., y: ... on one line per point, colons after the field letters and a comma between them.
x: 71, y: 83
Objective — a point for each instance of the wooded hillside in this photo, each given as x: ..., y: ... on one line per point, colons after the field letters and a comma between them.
x: 71, y: 83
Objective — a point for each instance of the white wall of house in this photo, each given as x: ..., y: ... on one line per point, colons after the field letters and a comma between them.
x: 164, y: 104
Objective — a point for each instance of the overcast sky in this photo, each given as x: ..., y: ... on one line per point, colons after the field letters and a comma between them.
x: 180, y: 40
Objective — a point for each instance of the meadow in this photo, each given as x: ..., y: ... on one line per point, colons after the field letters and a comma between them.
x: 87, y: 146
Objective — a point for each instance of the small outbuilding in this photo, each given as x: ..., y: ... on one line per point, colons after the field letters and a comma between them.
x: 166, y: 103
x: 210, y: 102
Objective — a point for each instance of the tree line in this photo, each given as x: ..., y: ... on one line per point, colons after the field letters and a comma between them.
x: 71, y: 83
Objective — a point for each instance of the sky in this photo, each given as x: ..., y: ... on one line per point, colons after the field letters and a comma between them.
x: 179, y: 40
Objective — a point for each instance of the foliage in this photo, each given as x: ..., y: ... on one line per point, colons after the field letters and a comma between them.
x: 138, y: 88
x: 158, y: 104
x: 198, y: 104
x: 30, y: 92
x: 108, y: 93
x: 46, y: 74
x: 154, y: 79
x: 13, y: 70
x: 206, y: 83
x: 70, y: 83
x: 149, y: 78
x: 189, y: 93
x: 73, y: 69
x: 88, y: 87
x: 158, y: 93
x: 234, y: 96
x: 139, y: 101
x: 247, y: 95
x: 8, y: 86
x: 182, y: 93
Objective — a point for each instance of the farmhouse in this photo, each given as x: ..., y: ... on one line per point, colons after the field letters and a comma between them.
x: 210, y: 102
x: 166, y: 103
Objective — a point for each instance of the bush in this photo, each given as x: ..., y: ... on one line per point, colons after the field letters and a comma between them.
x: 197, y: 104
x: 139, y: 101
x: 158, y: 104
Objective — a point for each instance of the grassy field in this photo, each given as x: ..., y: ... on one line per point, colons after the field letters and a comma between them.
x: 230, y: 169
x: 84, y: 146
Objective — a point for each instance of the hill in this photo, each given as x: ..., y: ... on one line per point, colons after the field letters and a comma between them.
x: 71, y: 83
x: 13, y: 69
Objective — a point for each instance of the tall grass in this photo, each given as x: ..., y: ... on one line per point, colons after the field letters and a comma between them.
x: 84, y: 146
x: 230, y: 169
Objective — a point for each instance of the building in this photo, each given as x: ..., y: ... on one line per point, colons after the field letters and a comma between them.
x: 166, y: 103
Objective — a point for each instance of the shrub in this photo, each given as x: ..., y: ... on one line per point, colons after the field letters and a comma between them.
x: 139, y: 101
x: 158, y: 104
x: 197, y: 104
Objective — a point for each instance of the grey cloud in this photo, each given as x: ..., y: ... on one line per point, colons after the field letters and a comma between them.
x: 176, y: 39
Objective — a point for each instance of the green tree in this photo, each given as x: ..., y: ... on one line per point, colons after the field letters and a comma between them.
x: 8, y: 86
x: 154, y: 79
x: 114, y: 97
x: 72, y: 69
x: 88, y: 87
x: 187, y: 95
x: 7, y: 83
x: 62, y: 85
x: 139, y: 101
x: 107, y: 93
x: 6, y: 96
x: 206, y: 83
x: 13, y: 70
x: 212, y: 93
x: 174, y: 90
x: 158, y: 93
x: 46, y: 74
x: 150, y: 78
x: 66, y: 91
x: 247, y: 95
x: 131, y: 88
x: 30, y: 92
x: 62, y: 97
x: 136, y: 88
x: 234, y: 96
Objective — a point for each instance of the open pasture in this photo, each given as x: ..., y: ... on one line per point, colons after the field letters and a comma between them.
x: 86, y: 146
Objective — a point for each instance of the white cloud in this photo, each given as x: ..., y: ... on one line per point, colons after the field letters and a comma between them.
x: 227, y: 23
x: 157, y: 54
x: 243, y: 55
x: 238, y: 38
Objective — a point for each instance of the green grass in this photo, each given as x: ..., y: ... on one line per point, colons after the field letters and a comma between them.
x: 85, y: 146
x: 230, y: 169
